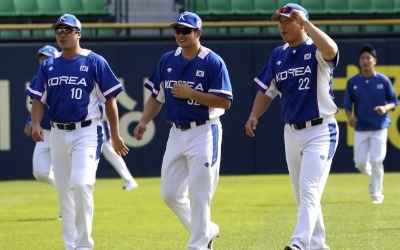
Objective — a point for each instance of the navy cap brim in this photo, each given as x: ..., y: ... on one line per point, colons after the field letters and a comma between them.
x: 43, y: 53
x: 172, y: 25
x: 54, y: 26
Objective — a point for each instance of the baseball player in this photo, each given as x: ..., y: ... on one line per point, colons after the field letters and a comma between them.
x: 116, y: 161
x: 194, y: 84
x: 71, y: 84
x: 368, y: 97
x: 301, y: 73
x: 41, y: 160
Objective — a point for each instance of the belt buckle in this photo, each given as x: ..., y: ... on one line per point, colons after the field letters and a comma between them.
x: 181, y: 128
x: 67, y: 127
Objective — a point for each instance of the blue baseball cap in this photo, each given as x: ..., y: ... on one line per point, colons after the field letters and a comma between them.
x: 286, y: 10
x: 69, y: 20
x: 47, y: 50
x: 188, y: 19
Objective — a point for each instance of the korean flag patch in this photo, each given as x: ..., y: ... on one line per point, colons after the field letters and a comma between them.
x: 307, y: 56
x: 200, y: 73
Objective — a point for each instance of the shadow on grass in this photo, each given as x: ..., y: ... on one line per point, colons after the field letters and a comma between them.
x: 30, y: 219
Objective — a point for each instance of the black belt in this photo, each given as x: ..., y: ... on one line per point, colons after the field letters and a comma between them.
x: 71, y: 125
x: 189, y: 125
x: 303, y: 125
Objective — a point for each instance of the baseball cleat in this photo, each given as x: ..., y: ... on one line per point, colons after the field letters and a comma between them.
x: 130, y: 185
x: 215, y: 232
x: 211, y: 243
x: 377, y: 201
x: 292, y: 247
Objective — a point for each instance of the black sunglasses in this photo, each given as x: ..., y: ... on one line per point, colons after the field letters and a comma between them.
x: 284, y: 10
x: 66, y: 31
x: 183, y: 31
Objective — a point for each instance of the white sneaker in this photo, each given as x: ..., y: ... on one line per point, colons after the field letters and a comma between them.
x: 377, y: 201
x: 130, y: 185
x: 214, y: 234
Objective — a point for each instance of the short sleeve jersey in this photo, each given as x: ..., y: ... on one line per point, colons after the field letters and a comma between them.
x: 206, y: 72
x: 365, y: 94
x: 303, y: 79
x: 72, y: 88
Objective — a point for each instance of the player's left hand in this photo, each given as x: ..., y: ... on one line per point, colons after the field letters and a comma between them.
x: 181, y: 90
x: 119, y: 146
x: 381, y: 110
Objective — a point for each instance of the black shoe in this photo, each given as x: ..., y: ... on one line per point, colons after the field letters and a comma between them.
x: 292, y: 247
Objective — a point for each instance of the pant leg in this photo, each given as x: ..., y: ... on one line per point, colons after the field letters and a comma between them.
x: 174, y: 179
x: 85, y: 155
x: 378, y: 154
x: 203, y: 159
x: 60, y: 155
x: 362, y: 149
x: 41, y: 160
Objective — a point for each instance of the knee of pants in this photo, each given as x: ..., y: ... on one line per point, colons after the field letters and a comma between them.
x: 377, y: 164
x: 82, y: 188
x: 361, y: 165
x: 43, y: 178
x: 168, y: 197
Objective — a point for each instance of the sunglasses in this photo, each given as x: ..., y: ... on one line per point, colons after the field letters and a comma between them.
x: 66, y: 31
x: 284, y: 10
x: 183, y: 31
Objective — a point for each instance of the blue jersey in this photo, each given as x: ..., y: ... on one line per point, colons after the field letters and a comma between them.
x: 72, y: 88
x: 303, y: 79
x: 206, y: 72
x: 365, y: 94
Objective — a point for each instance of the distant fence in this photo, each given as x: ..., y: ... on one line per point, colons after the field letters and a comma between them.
x: 162, y: 28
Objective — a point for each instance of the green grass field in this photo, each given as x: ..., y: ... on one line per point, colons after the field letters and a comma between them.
x: 253, y: 212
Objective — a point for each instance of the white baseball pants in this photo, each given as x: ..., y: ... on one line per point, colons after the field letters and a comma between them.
x: 309, y: 154
x: 191, y: 167
x: 369, y: 154
x: 75, y: 157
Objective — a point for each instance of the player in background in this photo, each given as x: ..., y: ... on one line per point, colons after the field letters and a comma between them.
x: 368, y: 97
x: 301, y: 73
x: 193, y: 83
x: 41, y: 160
x: 71, y: 84
x: 116, y: 161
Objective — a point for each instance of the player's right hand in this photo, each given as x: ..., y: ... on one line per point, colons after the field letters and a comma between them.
x: 138, y: 132
x: 250, y: 126
x: 37, y: 133
x: 119, y: 146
